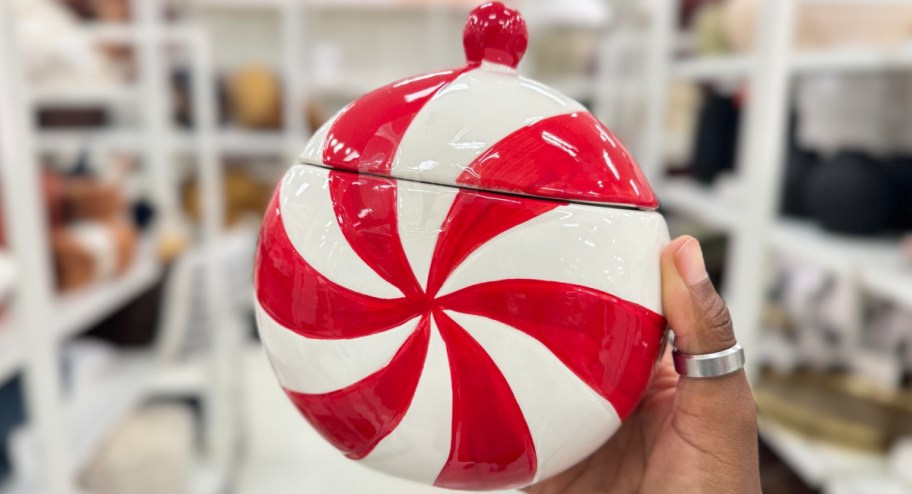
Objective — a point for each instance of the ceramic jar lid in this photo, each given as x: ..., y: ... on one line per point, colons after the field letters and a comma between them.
x: 483, y: 126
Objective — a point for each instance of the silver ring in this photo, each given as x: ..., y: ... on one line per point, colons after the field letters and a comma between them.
x: 710, y: 364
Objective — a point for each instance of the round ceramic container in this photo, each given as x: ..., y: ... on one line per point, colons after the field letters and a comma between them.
x: 459, y: 282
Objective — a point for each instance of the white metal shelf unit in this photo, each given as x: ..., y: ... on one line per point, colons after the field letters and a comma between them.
x: 89, y: 416
x: 816, y: 462
x: 10, y: 352
x: 762, y: 137
x: 876, y: 265
x: 29, y: 246
x: 699, y: 202
x: 233, y: 140
x: 297, y: 18
x: 703, y: 202
x: 73, y: 312
x: 229, y: 141
x: 66, y: 430
x: 223, y: 398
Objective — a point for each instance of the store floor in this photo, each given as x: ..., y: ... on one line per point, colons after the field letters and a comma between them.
x: 286, y: 456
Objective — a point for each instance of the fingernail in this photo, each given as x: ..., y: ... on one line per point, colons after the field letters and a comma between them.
x: 689, y: 261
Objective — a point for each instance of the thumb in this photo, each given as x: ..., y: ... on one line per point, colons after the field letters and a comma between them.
x: 717, y: 415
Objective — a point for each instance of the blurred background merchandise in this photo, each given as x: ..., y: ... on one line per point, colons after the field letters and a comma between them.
x: 141, y: 139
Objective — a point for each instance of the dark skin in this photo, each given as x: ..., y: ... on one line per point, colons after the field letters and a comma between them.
x: 687, y: 436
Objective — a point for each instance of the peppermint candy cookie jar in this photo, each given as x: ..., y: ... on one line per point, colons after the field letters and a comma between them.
x: 458, y: 283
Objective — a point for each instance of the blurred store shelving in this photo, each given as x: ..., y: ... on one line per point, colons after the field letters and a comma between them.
x: 831, y: 284
x: 195, y: 107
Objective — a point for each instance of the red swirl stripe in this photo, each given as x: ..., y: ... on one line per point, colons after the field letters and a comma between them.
x: 306, y: 302
x: 356, y: 418
x: 366, y: 134
x: 491, y: 444
x: 473, y: 219
x: 609, y: 343
x: 571, y: 156
x: 365, y: 208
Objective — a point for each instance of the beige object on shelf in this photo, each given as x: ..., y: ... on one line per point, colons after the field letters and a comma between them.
x: 681, y: 118
x: 564, y: 35
x: 841, y: 409
x: 89, y: 199
x: 709, y: 27
x: 826, y: 26
x: 244, y: 196
x: 173, y: 238
x: 68, y: 57
x: 89, y: 251
x: 112, y: 10
x: 560, y: 51
x: 255, y: 95
x: 151, y: 452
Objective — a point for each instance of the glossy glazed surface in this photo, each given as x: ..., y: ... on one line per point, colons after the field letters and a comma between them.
x: 483, y: 126
x: 365, y: 135
x: 496, y: 34
x: 435, y: 291
x: 412, y: 323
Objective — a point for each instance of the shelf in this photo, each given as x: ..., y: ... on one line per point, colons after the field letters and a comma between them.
x: 866, y: 3
x: 256, y: 142
x: 853, y: 60
x: 181, y: 380
x: 578, y: 88
x: 877, y: 262
x: 11, y: 347
x: 231, y: 141
x: 206, y: 479
x: 867, y: 485
x: 241, y: 4
x: 111, y: 32
x: 818, y: 462
x: 712, y: 67
x: 15, y: 486
x: 83, y: 94
x: 701, y: 203
x: 237, y: 141
x: 889, y: 279
x: 840, y: 254
x: 353, y: 86
x: 726, y: 67
x: 91, y: 415
x: 126, y: 32
x: 54, y: 140
x: 209, y: 480
x: 344, y: 5
x: 76, y: 311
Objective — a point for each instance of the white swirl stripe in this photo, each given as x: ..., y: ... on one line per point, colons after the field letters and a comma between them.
x: 468, y: 116
x: 308, y: 365
x: 311, y: 225
x: 313, y: 152
x: 566, y: 418
x: 612, y: 250
x: 419, y: 446
x: 422, y: 209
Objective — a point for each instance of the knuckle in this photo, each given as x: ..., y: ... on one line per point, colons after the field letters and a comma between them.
x: 713, y: 314
x: 719, y: 326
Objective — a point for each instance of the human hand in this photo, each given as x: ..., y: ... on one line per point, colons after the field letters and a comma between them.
x: 687, y: 435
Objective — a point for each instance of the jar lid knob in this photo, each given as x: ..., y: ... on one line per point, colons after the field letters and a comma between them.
x: 495, y: 33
